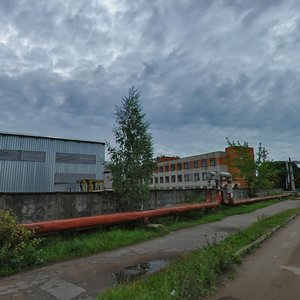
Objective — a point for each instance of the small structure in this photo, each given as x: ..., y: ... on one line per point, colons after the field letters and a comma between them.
x: 89, y: 185
x: 108, y: 179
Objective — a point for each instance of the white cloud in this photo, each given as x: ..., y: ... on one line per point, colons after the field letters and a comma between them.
x: 206, y: 70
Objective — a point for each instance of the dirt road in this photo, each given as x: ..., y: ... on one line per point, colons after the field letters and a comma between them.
x: 272, y: 272
x: 84, y: 278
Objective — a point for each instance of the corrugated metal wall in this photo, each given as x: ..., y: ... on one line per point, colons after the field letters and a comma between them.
x: 31, y: 176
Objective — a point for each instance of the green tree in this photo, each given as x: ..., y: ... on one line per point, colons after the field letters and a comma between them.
x: 266, y: 170
x: 259, y: 172
x: 132, y: 161
x: 18, y: 248
x: 243, y: 162
x: 278, y: 172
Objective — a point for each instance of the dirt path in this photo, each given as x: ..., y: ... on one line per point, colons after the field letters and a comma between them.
x: 270, y: 273
x: 84, y: 278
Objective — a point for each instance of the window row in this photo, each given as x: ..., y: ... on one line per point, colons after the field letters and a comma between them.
x: 20, y: 155
x: 71, y: 158
x: 187, y: 165
x: 39, y: 156
x: 179, y: 178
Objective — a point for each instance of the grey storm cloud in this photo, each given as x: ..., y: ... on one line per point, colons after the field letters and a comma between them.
x: 206, y: 70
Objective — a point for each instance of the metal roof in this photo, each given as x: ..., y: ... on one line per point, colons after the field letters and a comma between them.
x: 48, y: 137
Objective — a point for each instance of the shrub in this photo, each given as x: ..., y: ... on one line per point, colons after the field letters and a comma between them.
x: 18, y: 248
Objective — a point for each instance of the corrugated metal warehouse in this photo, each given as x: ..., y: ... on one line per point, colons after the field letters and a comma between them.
x: 30, y: 163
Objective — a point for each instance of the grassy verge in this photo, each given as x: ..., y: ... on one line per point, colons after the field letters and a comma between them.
x: 70, y: 245
x: 193, y: 275
x: 66, y: 246
x: 78, y: 244
x: 201, y: 217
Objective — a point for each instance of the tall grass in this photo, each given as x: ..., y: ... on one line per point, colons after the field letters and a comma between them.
x: 77, y: 245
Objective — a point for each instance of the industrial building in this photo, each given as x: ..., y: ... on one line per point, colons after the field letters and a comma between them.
x: 191, y: 172
x: 30, y: 163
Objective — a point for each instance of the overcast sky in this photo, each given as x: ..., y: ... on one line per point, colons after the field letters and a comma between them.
x: 206, y: 70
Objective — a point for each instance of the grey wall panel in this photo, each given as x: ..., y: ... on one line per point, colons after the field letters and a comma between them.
x: 38, y: 176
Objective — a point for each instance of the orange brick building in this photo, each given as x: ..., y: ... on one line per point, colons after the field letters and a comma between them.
x: 191, y: 172
x: 232, y: 155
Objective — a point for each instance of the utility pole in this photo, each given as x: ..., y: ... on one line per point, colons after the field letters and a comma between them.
x: 291, y: 173
x: 287, y: 178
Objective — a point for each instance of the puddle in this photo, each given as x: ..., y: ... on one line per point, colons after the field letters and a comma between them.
x: 134, y: 272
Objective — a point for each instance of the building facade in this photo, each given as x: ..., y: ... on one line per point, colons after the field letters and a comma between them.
x: 192, y: 171
x: 30, y: 163
x: 108, y: 180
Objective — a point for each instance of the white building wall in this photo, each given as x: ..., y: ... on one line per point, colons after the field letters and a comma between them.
x: 192, y: 182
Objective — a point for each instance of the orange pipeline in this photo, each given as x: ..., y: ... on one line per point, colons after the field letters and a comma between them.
x: 253, y: 200
x: 85, y: 222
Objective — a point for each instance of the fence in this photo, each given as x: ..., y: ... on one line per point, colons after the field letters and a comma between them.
x: 34, y: 207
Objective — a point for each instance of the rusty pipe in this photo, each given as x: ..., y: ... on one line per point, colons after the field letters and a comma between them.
x: 253, y: 200
x: 85, y: 222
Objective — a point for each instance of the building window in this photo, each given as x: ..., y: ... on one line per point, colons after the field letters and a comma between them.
x: 204, y: 163
x: 212, y: 162
x: 33, y: 156
x: 173, y: 178
x: 161, y: 179
x: 172, y: 168
x: 151, y: 180
x: 9, y: 155
x: 179, y: 167
x: 161, y: 169
x: 179, y: 178
x: 156, y: 180
x: 72, y: 158
x: 186, y: 165
x: 196, y: 177
x: 196, y: 164
x: 166, y: 168
x: 186, y: 177
x: 22, y: 155
x: 167, y: 179
x: 204, y: 176
x: 62, y: 178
